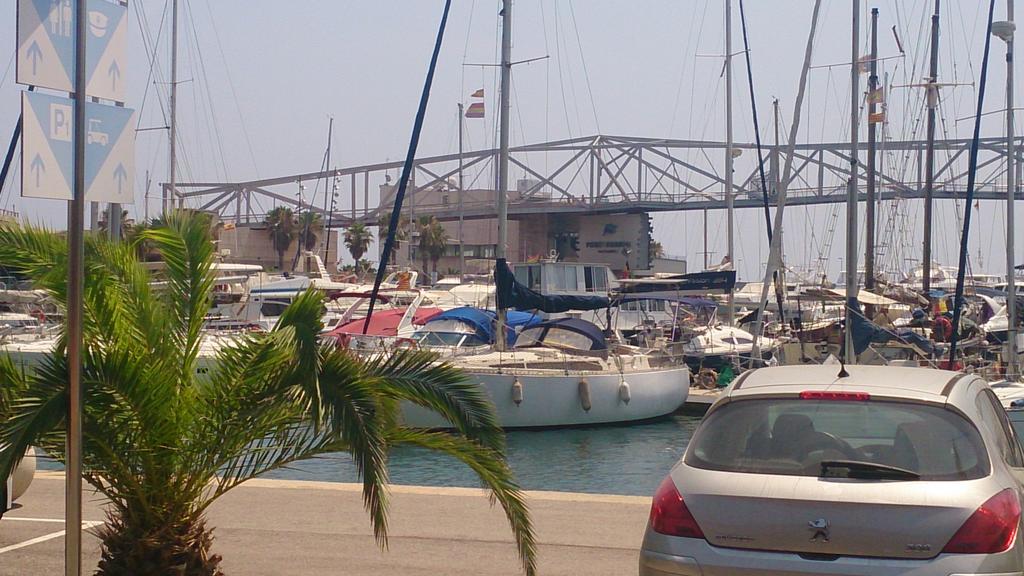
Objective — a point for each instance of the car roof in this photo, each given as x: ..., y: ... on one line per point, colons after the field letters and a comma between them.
x: 925, y: 384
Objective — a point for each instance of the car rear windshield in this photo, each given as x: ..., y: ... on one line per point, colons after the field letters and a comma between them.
x: 793, y: 437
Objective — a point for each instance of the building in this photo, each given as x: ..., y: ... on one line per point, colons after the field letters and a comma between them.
x: 250, y: 244
x: 621, y: 241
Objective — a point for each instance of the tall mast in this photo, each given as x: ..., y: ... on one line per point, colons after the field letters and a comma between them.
x: 730, y: 313
x: 462, y: 249
x: 929, y: 161
x: 851, y: 191
x: 775, y: 248
x: 169, y: 194
x: 869, y: 244
x: 504, y: 109
x: 1011, y: 193
x: 329, y: 197
x: 775, y: 169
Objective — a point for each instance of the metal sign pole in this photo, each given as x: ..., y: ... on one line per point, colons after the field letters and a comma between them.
x: 76, y: 270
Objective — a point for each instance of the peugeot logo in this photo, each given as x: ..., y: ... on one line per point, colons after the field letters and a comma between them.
x: 820, y: 527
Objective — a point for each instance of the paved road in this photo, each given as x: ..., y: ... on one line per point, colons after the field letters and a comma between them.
x: 272, y: 527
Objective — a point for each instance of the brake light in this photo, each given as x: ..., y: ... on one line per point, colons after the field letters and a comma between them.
x: 991, y: 529
x: 669, y: 514
x: 824, y: 395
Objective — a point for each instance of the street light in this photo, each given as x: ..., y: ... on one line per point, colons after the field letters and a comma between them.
x: 1004, y: 30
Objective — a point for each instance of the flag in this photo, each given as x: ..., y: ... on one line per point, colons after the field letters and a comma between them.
x: 478, y: 94
x: 876, y: 96
x: 863, y: 62
x: 876, y: 118
x: 229, y: 226
x: 475, y: 110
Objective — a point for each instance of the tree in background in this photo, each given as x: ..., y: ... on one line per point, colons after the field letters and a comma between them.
x: 401, y: 235
x: 281, y: 226
x: 357, y: 240
x: 104, y: 224
x: 432, y: 240
x: 309, y: 225
x: 657, y: 250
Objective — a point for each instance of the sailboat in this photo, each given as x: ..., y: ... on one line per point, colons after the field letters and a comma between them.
x: 563, y: 371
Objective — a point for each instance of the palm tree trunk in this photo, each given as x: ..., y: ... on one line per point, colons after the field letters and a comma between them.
x: 280, y: 260
x: 139, y: 544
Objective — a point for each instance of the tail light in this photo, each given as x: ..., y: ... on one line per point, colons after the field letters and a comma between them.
x: 991, y: 529
x: 669, y: 514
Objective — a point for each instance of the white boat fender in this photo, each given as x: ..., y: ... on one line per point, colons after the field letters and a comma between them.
x: 624, y: 392
x: 517, y: 391
x: 23, y: 474
x: 584, y: 388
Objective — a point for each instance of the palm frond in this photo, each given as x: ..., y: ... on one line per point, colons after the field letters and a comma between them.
x: 39, y: 409
x: 184, y: 243
x: 495, y: 474
x: 356, y: 415
x: 12, y: 382
x: 128, y: 296
x: 417, y: 377
x: 36, y: 253
x: 302, y: 318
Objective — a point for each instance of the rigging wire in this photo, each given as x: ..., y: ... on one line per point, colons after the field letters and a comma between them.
x: 760, y: 155
x: 231, y: 84
x: 583, y: 60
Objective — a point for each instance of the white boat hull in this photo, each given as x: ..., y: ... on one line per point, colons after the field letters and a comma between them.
x: 550, y: 400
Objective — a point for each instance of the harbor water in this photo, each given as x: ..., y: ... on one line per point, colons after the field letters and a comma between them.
x: 628, y: 460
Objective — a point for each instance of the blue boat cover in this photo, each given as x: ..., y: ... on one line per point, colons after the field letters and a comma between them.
x: 588, y: 329
x: 510, y: 293
x: 689, y: 301
x: 719, y: 282
x: 483, y: 321
x: 866, y: 332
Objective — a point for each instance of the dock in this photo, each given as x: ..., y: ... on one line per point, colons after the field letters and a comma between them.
x: 277, y: 527
x: 698, y: 400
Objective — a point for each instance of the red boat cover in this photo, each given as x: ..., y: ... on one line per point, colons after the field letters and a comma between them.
x: 384, y: 323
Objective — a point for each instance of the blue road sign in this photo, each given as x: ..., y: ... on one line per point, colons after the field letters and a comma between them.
x: 46, y: 46
x: 48, y: 149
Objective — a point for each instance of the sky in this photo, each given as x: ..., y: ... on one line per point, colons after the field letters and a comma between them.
x: 260, y: 81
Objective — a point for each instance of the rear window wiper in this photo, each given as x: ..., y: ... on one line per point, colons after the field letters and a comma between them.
x: 865, y: 470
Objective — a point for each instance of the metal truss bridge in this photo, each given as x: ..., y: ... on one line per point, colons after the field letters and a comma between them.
x: 609, y: 174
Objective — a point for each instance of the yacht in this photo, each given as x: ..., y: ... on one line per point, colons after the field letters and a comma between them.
x: 564, y: 372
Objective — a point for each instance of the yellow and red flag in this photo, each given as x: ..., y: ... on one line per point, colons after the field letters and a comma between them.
x: 876, y: 118
x: 478, y: 94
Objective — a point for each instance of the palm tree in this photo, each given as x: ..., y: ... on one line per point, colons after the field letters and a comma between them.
x: 162, y: 441
x: 281, y: 225
x: 104, y: 223
x: 433, y: 241
x: 357, y: 240
x: 401, y: 235
x: 656, y: 249
x: 438, y: 243
x: 309, y: 225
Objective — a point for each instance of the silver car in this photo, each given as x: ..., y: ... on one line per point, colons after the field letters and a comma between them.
x: 866, y: 471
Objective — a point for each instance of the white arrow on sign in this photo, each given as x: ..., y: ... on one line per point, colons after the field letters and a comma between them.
x: 46, y: 46
x: 48, y: 155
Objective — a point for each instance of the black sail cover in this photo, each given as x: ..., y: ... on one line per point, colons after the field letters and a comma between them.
x: 511, y: 293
